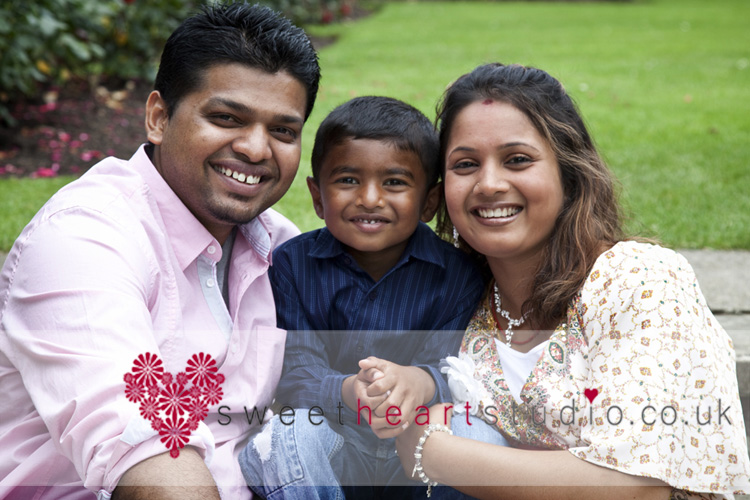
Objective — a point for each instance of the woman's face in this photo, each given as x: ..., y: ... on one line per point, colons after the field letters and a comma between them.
x: 502, y: 182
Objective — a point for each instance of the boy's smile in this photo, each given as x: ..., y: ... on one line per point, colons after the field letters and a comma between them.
x: 372, y: 195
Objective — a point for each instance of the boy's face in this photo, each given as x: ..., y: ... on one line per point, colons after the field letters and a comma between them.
x: 372, y: 195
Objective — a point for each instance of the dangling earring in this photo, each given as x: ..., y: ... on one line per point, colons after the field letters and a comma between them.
x: 455, y: 237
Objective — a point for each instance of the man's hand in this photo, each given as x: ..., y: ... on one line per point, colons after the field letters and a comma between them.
x: 165, y: 478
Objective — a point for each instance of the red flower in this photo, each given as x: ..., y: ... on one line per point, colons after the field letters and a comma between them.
x: 174, y: 400
x: 198, y: 410
x: 149, y: 409
x: 166, y: 378
x: 195, y: 392
x: 182, y: 378
x: 175, y: 434
x: 201, y: 369
x: 213, y: 394
x: 193, y: 423
x: 147, y: 369
x: 134, y: 392
x: 153, y: 391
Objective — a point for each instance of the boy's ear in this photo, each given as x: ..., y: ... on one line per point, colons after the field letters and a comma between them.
x: 431, y: 202
x: 156, y: 117
x: 312, y: 185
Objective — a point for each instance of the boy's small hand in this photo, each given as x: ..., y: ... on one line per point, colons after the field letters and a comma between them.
x: 396, y: 395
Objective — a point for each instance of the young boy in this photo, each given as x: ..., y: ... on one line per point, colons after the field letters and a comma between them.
x: 372, y: 303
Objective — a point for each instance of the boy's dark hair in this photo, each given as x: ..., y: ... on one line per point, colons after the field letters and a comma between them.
x: 382, y: 119
x: 252, y: 35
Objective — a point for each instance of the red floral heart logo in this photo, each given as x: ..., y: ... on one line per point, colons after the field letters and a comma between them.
x: 174, y: 404
x: 591, y: 394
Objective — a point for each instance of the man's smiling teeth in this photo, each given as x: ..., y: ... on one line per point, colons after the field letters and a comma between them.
x: 488, y: 213
x: 247, y: 179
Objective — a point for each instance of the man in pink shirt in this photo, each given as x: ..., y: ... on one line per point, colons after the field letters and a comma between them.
x: 132, y: 281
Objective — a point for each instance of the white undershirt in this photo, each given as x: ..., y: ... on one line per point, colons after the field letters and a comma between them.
x: 517, y: 366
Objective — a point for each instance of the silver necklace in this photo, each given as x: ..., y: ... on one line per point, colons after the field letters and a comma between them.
x: 505, y: 314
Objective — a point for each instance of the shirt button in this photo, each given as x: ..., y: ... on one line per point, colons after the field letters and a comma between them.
x: 211, y: 249
x: 234, y: 348
x: 359, y: 348
x: 373, y: 296
x: 210, y: 282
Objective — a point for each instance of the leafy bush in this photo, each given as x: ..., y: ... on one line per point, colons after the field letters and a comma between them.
x: 47, y: 42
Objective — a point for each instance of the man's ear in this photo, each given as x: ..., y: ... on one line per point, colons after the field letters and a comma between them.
x: 156, y: 117
x: 312, y: 185
x: 431, y: 202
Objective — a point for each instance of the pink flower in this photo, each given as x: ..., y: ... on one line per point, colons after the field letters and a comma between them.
x: 182, y: 378
x: 201, y: 368
x: 45, y: 172
x: 147, y: 369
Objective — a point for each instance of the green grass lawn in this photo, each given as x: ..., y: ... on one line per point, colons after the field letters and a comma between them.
x: 663, y: 84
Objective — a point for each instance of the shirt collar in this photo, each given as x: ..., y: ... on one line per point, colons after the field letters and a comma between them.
x: 187, y: 236
x: 424, y: 245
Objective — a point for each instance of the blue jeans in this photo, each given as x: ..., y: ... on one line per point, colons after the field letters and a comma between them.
x: 306, y: 461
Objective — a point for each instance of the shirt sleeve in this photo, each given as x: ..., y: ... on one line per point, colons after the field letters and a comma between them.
x: 307, y: 378
x: 665, y: 370
x: 75, y: 317
x: 446, y: 338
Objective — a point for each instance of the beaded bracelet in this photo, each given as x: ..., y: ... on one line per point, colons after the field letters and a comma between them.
x: 418, y: 455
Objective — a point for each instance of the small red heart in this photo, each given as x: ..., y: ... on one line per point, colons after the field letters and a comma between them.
x: 174, y: 405
x: 591, y: 394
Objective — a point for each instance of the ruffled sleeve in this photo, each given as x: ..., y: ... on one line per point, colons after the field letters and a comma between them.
x: 667, y: 403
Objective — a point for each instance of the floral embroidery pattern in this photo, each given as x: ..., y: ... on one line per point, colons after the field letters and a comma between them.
x: 175, y: 405
x: 641, y: 334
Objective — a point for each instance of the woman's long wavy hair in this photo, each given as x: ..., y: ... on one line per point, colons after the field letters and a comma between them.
x: 590, y: 218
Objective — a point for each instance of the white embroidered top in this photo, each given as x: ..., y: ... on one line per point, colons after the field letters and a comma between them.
x: 642, y: 379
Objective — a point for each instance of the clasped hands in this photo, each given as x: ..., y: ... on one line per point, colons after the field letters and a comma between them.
x: 388, y: 394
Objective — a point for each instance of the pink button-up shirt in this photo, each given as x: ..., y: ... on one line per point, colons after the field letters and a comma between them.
x: 108, y: 270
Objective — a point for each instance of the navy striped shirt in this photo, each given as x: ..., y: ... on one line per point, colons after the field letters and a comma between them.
x: 336, y: 314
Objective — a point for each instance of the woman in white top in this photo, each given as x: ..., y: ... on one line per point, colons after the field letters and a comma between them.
x: 597, y: 349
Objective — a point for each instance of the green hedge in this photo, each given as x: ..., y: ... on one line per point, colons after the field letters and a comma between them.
x: 49, y: 42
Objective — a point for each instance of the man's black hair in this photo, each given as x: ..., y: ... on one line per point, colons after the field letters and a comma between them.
x: 382, y: 119
x: 252, y: 35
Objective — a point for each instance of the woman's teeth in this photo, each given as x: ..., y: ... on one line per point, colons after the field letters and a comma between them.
x: 489, y: 213
x: 247, y: 179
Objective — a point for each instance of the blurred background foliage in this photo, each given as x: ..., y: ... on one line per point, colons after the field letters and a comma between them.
x: 45, y: 43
